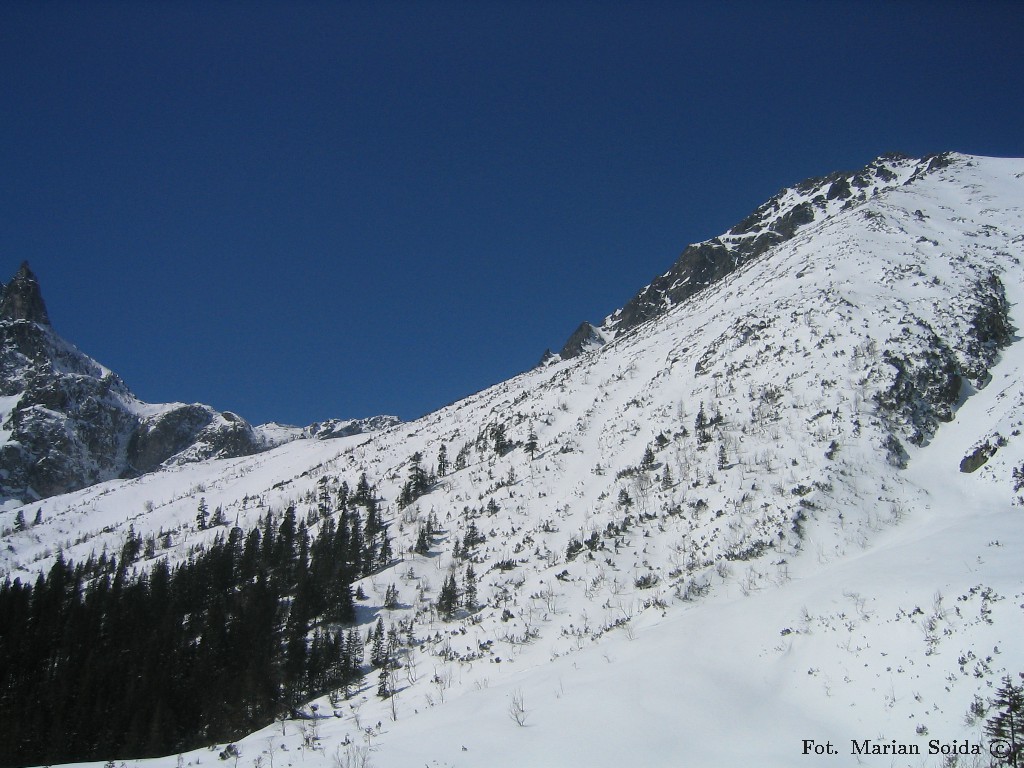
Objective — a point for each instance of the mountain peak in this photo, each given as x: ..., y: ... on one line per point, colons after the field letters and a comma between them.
x: 22, y: 299
x: 774, y: 222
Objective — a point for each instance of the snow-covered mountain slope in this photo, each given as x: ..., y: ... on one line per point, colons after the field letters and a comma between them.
x: 774, y: 222
x: 67, y: 422
x: 741, y: 526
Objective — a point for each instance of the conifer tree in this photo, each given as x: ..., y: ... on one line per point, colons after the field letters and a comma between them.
x: 500, y: 439
x: 342, y: 495
x: 472, y: 538
x: 417, y: 484
x: 353, y: 655
x: 323, y: 502
x: 462, y: 457
x: 422, y: 546
x: 442, y: 460
x: 391, y: 647
x: 378, y: 654
x: 469, y: 593
x: 1007, y: 724
x: 647, y: 462
x: 666, y: 479
x: 386, y: 553
x: 448, y: 599
x: 363, y: 493
x: 132, y: 546
x: 531, y: 443
x: 202, y: 513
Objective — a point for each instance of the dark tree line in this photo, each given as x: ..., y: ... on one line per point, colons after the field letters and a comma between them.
x: 98, y: 662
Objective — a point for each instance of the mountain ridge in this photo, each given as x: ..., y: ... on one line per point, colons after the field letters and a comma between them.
x: 740, y: 525
x: 773, y: 222
x: 67, y: 422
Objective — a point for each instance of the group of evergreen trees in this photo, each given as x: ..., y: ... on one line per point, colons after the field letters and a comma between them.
x: 125, y: 656
x: 450, y: 598
x: 100, y: 662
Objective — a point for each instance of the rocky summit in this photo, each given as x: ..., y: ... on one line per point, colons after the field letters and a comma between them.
x: 773, y: 223
x: 68, y: 422
x: 21, y: 299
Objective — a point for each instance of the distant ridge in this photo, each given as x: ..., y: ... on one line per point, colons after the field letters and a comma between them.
x: 67, y: 422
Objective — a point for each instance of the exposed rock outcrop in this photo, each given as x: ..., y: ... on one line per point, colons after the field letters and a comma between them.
x: 67, y: 422
x: 22, y: 299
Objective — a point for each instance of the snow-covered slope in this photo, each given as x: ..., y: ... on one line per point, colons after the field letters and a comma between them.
x: 774, y: 222
x: 743, y: 526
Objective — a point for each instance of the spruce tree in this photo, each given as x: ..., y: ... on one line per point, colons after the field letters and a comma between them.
x: 469, y: 593
x: 472, y: 538
x: 352, y: 656
x: 378, y: 654
x: 666, y: 479
x: 386, y: 553
x: 1007, y: 724
x: 500, y: 440
x: 531, y: 443
x: 442, y: 460
x: 422, y: 546
x: 647, y: 462
x: 202, y: 513
x: 448, y: 599
x: 363, y: 492
x: 462, y: 457
x: 391, y: 648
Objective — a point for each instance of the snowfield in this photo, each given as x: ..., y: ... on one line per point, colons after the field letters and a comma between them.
x: 797, y: 565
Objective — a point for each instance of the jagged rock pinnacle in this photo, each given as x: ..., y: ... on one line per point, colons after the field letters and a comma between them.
x: 22, y: 300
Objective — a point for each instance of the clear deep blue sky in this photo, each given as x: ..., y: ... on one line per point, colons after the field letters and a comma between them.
x: 298, y: 211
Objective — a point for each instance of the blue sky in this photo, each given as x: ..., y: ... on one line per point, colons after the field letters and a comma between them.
x: 299, y: 211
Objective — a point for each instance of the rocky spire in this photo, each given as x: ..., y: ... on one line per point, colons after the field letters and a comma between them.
x: 22, y: 300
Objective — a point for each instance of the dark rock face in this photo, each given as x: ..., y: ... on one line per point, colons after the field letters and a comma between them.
x: 188, y: 433
x: 926, y: 385
x: 977, y: 458
x: 774, y: 222
x: 22, y: 299
x: 989, y: 329
x: 73, y: 423
x: 583, y: 338
x: 68, y: 427
x: 924, y: 388
x: 334, y: 428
